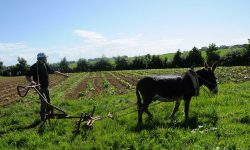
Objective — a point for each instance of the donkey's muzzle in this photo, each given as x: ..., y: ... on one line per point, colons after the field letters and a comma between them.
x: 215, y: 90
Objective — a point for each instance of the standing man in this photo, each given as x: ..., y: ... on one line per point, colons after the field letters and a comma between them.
x: 39, y: 72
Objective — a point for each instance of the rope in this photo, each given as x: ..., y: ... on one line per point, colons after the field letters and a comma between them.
x: 124, y: 114
x: 125, y: 108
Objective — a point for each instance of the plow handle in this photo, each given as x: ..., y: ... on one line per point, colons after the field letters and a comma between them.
x: 27, y: 88
x: 19, y: 89
x: 93, y: 111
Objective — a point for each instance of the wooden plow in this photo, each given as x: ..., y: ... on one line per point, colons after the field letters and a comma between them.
x: 88, y: 118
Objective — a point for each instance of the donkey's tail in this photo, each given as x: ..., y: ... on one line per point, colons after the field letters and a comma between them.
x: 139, y: 102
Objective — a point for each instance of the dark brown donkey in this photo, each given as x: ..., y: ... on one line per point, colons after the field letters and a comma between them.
x: 170, y: 88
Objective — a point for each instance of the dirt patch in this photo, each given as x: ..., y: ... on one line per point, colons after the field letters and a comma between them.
x: 76, y: 92
x: 131, y: 80
x: 55, y: 80
x: 8, y: 85
x: 8, y: 92
x: 97, y: 89
x: 98, y: 85
x: 120, y: 88
x: 83, y: 89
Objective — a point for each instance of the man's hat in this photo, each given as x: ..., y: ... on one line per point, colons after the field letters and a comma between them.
x: 41, y: 56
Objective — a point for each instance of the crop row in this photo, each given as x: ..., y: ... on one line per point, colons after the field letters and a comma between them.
x: 98, y: 83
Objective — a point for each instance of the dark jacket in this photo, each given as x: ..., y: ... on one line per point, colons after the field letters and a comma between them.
x: 40, y: 72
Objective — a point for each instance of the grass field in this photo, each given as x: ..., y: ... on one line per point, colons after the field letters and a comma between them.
x: 217, y: 122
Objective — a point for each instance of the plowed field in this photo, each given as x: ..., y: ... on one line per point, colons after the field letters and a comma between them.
x: 89, y: 85
x: 8, y: 85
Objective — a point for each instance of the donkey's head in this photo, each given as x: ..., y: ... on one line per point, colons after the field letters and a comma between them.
x: 207, y: 77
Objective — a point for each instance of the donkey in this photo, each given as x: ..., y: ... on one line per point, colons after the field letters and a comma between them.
x: 169, y: 88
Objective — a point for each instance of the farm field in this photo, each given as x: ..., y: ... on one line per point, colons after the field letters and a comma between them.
x: 8, y: 92
x: 220, y: 121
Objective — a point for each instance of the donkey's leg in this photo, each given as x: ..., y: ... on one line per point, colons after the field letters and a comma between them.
x: 186, y: 109
x: 148, y: 100
x: 140, y: 112
x: 176, y: 107
x: 150, y: 115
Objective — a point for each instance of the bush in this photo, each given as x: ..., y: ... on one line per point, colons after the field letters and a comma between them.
x: 237, y: 57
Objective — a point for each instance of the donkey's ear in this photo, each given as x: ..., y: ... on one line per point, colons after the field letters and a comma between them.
x: 214, y: 65
x: 206, y: 65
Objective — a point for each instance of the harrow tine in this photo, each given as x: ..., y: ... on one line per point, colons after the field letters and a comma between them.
x: 78, y: 124
x: 93, y: 111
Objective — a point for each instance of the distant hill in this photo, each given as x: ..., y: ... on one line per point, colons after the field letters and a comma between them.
x: 222, y: 51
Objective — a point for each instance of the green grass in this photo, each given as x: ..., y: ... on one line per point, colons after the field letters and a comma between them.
x: 217, y: 122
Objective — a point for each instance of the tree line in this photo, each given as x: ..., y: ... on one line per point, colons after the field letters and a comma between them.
x: 238, y: 55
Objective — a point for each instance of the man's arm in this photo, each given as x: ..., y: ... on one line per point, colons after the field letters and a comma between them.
x: 62, y: 74
x: 51, y: 71
x: 28, y: 78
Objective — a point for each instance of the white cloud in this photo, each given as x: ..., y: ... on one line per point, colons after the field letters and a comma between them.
x: 94, y: 45
x: 130, y: 46
x: 10, y: 51
x: 233, y: 41
x: 12, y: 46
x: 90, y: 36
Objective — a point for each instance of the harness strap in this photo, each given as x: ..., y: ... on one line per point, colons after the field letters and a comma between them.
x: 38, y: 81
x: 195, y: 81
x: 204, y: 80
x: 46, y: 70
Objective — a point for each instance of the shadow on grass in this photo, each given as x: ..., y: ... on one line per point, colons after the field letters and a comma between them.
x: 192, y: 123
x: 33, y: 125
x: 83, y: 132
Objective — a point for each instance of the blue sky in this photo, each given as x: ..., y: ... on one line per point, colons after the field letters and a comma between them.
x: 93, y: 28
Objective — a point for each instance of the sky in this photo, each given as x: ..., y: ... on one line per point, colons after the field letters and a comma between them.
x: 95, y: 28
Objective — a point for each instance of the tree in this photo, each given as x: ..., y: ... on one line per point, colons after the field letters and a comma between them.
x: 247, y: 54
x: 212, y: 56
x: 194, y: 58
x: 102, y: 65
x: 55, y: 66
x: 204, y: 48
x: 121, y: 63
x: 147, y: 59
x: 155, y: 62
x: 166, y: 64
x: 139, y: 63
x: 21, y: 67
x: 82, y: 65
x: 1, y: 67
x: 64, y: 65
x: 177, y: 60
